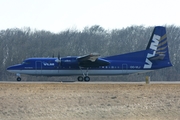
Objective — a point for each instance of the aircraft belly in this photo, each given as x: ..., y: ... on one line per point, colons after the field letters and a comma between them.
x: 77, y: 72
x: 90, y: 72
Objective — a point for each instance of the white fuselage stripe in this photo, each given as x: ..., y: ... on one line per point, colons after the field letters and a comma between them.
x: 76, y: 72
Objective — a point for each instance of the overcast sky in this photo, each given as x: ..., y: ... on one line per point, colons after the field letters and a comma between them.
x: 59, y: 15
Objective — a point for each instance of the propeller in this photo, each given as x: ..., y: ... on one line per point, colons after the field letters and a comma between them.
x: 58, y: 60
x: 58, y: 56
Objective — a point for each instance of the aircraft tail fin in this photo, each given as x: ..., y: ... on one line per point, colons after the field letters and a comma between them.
x: 157, y: 49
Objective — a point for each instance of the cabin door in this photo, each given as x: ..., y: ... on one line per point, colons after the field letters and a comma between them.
x: 38, y: 67
x: 124, y: 68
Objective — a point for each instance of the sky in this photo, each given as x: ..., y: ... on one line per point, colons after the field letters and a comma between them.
x: 60, y: 15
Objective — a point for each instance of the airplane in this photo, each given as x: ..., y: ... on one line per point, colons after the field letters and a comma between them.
x: 155, y: 56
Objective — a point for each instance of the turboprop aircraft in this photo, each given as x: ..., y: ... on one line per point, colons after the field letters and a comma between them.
x: 155, y: 56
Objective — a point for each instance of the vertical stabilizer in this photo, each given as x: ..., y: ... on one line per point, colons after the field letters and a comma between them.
x: 157, y: 49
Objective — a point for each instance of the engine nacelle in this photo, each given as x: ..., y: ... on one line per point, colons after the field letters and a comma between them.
x: 69, y: 62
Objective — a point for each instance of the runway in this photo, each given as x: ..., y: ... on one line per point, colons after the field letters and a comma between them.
x: 93, y: 82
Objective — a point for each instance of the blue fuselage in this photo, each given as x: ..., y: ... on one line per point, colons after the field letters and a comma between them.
x: 70, y: 66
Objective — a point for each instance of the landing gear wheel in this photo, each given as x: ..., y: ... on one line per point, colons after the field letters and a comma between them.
x: 86, y: 78
x: 80, y: 78
x: 18, y: 79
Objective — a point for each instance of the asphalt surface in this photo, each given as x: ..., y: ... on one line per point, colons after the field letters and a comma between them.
x: 98, y: 82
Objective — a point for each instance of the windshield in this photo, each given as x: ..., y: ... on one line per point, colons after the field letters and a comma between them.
x: 25, y: 62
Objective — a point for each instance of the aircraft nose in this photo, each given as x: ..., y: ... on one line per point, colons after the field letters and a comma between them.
x: 9, y: 68
x: 13, y: 68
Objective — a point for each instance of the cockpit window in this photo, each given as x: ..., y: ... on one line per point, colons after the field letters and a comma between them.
x: 25, y: 62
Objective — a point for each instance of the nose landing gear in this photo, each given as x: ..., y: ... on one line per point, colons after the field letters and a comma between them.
x: 18, y: 77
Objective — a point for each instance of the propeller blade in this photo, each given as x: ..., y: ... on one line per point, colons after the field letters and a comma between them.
x: 58, y: 56
x: 58, y: 60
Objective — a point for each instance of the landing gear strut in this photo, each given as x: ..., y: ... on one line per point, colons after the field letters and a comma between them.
x: 85, y: 76
x: 18, y: 77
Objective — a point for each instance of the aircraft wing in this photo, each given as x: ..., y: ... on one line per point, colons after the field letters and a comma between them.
x: 91, y: 60
x: 91, y: 57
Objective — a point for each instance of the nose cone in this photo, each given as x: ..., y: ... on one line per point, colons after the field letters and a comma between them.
x: 13, y: 68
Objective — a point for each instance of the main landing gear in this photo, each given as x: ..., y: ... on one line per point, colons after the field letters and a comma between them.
x: 85, y: 76
x: 18, y: 77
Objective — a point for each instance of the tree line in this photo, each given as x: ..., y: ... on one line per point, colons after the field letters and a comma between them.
x: 19, y: 44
